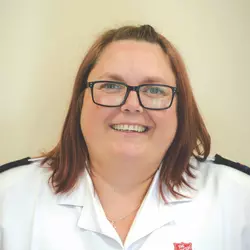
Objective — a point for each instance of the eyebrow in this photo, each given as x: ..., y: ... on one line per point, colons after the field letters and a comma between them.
x: 146, y: 80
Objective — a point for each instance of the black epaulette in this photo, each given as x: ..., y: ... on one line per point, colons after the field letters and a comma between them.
x: 14, y: 164
x: 223, y: 161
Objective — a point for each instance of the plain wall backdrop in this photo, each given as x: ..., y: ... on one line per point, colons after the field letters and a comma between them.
x: 42, y: 43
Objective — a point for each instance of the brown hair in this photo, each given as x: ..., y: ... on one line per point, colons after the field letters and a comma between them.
x: 70, y: 157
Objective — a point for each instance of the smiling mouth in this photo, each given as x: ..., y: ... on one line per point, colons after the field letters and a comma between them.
x: 130, y: 128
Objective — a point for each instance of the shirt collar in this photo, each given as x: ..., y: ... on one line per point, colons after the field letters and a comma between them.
x: 153, y: 208
x: 155, y: 212
x: 81, y: 194
x: 84, y: 191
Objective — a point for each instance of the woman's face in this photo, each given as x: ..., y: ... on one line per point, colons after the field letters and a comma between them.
x: 134, y: 63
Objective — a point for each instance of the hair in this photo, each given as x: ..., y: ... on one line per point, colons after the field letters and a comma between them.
x: 70, y: 156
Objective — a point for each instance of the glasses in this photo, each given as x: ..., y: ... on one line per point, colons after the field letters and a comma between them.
x: 115, y: 94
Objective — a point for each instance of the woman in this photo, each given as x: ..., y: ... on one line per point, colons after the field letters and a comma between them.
x: 131, y: 170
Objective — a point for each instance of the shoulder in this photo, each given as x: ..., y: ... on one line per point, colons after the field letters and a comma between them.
x: 220, y: 166
x: 225, y: 191
x: 21, y: 172
x: 225, y: 177
x: 218, y: 159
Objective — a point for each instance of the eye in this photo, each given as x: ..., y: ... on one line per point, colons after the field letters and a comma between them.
x: 155, y: 90
x: 109, y: 85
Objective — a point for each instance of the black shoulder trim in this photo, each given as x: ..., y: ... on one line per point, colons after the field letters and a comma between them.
x: 223, y: 161
x: 14, y: 164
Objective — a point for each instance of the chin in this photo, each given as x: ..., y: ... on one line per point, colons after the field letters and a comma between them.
x: 130, y: 150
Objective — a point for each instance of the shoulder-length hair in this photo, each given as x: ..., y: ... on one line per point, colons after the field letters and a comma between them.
x: 70, y: 157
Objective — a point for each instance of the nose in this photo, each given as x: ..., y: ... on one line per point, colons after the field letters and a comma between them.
x: 132, y: 103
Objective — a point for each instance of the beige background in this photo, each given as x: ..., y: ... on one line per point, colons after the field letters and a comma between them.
x: 43, y: 42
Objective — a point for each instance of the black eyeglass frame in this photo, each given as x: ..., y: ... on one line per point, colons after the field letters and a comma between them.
x: 129, y: 88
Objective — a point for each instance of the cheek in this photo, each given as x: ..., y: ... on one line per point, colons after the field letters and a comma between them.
x: 93, y: 117
x: 166, y: 123
x: 169, y: 122
x: 88, y: 116
x: 171, y: 115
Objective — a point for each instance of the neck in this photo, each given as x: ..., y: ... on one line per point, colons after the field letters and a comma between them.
x: 123, y: 175
x: 121, y: 189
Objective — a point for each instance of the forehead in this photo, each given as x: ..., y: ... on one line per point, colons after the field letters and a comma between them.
x: 132, y: 61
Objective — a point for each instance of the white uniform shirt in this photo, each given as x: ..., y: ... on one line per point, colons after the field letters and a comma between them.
x: 216, y: 217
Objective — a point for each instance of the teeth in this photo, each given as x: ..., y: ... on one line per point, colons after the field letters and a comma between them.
x: 125, y: 127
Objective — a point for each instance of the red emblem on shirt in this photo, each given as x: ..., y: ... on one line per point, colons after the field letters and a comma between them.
x: 182, y: 246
